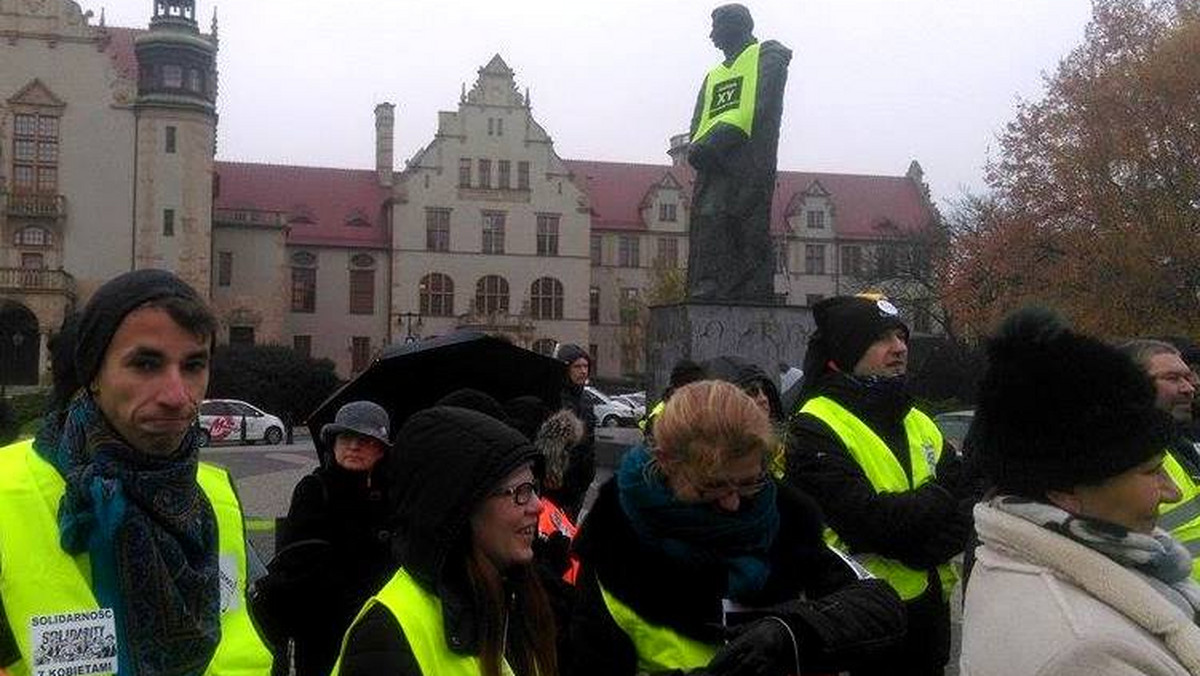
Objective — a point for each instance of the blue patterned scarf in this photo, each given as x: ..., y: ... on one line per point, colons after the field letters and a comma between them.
x: 151, y: 538
x: 698, y: 533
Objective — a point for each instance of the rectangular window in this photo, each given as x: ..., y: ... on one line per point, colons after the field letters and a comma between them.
x: 851, y: 260
x: 464, y: 173
x: 547, y: 234
x: 522, y: 176
x: 302, y: 345
x: 169, y: 143
x: 628, y: 255
x: 499, y: 126
x: 35, y: 153
x: 304, y: 289
x: 814, y: 259
x: 224, y: 268
x: 485, y: 173
x: 241, y: 336
x: 668, y: 252
x: 491, y: 126
x: 437, y: 229
x: 493, y: 232
x: 597, y: 250
x: 504, y: 174
x: 594, y: 305
x: 666, y: 211
x: 168, y: 222
x: 815, y: 219
x: 32, y: 261
x: 360, y: 353
x: 362, y: 292
x: 172, y: 76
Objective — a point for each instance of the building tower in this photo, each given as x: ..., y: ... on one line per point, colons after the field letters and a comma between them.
x: 175, y: 144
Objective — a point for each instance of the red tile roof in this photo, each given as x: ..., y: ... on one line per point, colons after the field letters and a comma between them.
x: 861, y: 203
x: 120, y: 50
x: 318, y: 201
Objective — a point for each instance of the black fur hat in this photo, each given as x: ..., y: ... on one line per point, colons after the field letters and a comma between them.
x: 1059, y: 409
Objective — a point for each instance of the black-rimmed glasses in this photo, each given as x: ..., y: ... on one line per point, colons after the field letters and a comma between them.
x: 521, y: 494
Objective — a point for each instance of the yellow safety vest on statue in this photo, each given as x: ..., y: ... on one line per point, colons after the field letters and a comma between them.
x: 42, y: 584
x: 887, y: 476
x: 730, y: 93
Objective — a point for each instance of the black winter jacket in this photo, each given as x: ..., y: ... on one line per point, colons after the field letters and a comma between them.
x: 335, y: 552
x: 921, y: 528
x: 837, y: 619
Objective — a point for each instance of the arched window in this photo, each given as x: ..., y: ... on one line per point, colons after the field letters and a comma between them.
x: 491, y: 295
x: 33, y: 236
x: 545, y: 346
x: 546, y: 298
x: 437, y: 295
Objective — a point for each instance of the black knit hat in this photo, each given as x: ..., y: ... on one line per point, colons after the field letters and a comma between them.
x: 109, y: 306
x: 568, y: 352
x: 1058, y: 409
x: 846, y: 327
x: 448, y: 460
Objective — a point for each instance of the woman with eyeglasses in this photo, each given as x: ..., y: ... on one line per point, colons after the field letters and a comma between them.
x: 465, y: 599
x: 695, y: 559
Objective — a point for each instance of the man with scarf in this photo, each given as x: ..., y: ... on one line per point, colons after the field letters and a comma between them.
x: 119, y: 551
x: 890, y: 489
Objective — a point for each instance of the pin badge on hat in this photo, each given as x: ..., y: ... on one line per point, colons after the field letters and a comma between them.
x: 886, y: 308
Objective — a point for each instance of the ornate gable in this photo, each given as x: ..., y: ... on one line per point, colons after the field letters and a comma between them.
x: 495, y: 86
x: 36, y: 95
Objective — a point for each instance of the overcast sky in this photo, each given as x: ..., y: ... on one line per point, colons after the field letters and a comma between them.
x: 873, y: 84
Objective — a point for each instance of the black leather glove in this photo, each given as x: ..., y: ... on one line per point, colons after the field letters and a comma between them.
x: 762, y: 648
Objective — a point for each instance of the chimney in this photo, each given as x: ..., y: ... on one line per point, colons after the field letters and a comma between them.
x: 385, y: 118
x: 679, y: 149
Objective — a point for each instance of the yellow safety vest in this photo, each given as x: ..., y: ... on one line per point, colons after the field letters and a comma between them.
x: 654, y: 413
x: 887, y: 476
x: 419, y: 614
x: 730, y: 93
x: 658, y: 648
x: 37, y: 578
x: 1182, y: 519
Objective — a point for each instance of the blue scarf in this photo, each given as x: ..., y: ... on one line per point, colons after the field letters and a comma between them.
x: 150, y: 536
x: 697, y: 533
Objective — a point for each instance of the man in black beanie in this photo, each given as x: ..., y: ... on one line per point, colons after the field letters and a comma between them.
x: 889, y: 486
x: 110, y: 527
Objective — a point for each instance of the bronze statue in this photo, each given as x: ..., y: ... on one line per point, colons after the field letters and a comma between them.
x: 734, y: 138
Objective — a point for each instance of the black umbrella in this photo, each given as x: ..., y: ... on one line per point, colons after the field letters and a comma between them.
x: 408, y: 377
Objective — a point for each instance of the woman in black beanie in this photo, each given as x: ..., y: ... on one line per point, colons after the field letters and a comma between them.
x: 1072, y: 569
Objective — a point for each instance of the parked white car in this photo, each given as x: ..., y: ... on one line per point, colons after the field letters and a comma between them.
x: 222, y: 419
x: 609, y: 412
x: 635, y: 400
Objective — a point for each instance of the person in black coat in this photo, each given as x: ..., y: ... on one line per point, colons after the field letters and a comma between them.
x: 581, y: 468
x: 335, y: 550
x: 695, y: 527
x: 857, y: 358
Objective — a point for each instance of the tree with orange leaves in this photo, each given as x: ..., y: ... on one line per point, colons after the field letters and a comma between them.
x: 1094, y: 203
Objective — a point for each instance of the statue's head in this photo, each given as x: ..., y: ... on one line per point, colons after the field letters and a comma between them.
x: 732, y: 26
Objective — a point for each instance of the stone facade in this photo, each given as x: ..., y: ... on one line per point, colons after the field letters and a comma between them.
x: 489, y: 231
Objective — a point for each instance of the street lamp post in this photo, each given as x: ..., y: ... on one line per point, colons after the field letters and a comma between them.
x: 407, y: 319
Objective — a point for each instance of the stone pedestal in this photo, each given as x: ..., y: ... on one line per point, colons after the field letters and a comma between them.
x: 765, y: 334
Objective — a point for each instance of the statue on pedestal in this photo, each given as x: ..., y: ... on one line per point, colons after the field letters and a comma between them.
x: 734, y: 139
